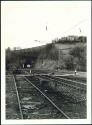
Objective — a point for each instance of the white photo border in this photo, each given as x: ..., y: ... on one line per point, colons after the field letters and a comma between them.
x: 44, y: 121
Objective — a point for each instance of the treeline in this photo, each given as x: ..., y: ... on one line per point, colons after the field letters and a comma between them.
x: 71, y: 39
x: 76, y: 59
x: 49, y: 52
x: 16, y: 58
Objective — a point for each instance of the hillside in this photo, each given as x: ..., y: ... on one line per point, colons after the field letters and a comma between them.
x: 63, y: 54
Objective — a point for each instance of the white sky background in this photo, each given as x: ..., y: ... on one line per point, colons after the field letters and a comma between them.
x: 22, y: 22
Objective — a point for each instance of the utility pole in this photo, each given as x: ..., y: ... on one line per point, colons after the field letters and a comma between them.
x: 46, y: 27
x: 80, y: 32
x: 59, y: 57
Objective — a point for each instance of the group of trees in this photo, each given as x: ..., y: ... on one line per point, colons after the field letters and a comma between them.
x: 49, y: 52
x: 79, y: 57
x: 70, y: 39
x: 76, y: 59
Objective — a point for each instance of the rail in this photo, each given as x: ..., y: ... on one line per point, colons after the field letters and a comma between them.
x: 18, y: 98
x: 48, y: 99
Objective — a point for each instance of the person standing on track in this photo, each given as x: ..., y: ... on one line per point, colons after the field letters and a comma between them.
x: 30, y: 71
x: 75, y: 72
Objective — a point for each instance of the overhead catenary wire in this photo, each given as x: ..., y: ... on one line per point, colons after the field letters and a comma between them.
x: 70, y: 29
x: 74, y: 26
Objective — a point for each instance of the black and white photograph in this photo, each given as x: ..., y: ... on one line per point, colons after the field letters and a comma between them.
x: 45, y: 62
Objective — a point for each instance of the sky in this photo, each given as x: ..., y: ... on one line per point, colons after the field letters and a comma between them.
x: 23, y: 23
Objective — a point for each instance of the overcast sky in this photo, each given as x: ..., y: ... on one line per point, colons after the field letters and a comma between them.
x: 23, y: 22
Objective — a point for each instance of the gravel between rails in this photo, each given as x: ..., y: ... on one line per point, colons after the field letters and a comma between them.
x: 34, y: 104
x: 73, y: 110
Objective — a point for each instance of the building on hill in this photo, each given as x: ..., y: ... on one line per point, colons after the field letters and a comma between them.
x: 72, y: 38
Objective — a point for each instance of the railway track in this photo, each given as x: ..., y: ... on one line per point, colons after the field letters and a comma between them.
x: 69, y: 79
x: 73, y: 78
x: 19, y: 103
x: 38, y: 102
x: 72, y: 83
x: 12, y: 105
x: 72, y: 109
x: 25, y: 90
x: 76, y: 91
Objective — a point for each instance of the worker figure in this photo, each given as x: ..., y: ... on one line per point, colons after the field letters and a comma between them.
x: 30, y: 71
x: 75, y: 72
x: 23, y: 65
